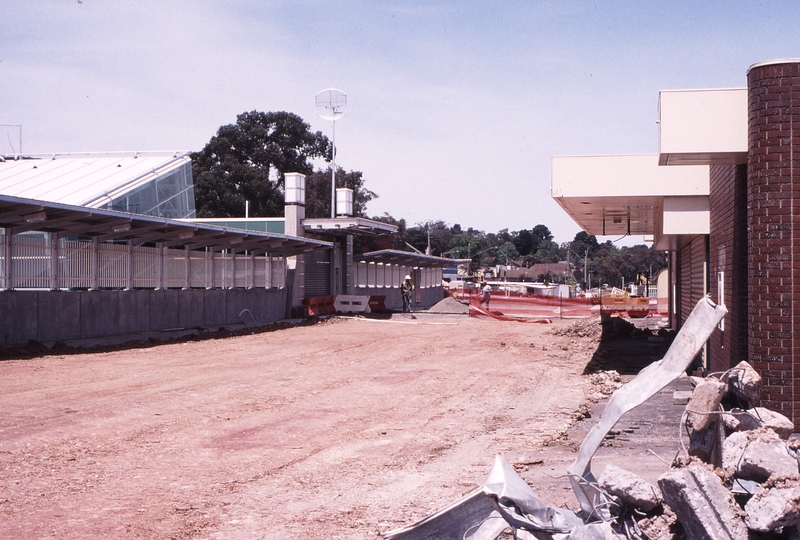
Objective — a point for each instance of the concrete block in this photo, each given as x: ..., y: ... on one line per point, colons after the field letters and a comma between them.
x: 630, y: 488
x: 681, y: 397
x: 18, y: 315
x: 190, y: 308
x: 99, y: 314
x: 59, y: 315
x: 772, y: 509
x: 745, y: 382
x: 704, y: 403
x: 703, y: 506
x: 274, y: 305
x: 757, y: 418
x: 134, y: 311
x: 757, y: 455
x: 164, y: 309
x: 214, y: 308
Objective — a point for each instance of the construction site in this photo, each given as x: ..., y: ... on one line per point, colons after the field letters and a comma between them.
x: 376, y: 425
x: 170, y: 376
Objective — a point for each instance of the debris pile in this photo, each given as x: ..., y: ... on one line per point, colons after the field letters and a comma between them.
x: 741, y: 472
x: 613, y: 506
x: 590, y: 327
x: 738, y: 480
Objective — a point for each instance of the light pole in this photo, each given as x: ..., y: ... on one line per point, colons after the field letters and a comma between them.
x: 585, y: 265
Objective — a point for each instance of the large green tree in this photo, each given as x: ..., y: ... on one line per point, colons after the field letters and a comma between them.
x: 246, y: 161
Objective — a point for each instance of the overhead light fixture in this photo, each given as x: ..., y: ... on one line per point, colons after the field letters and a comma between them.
x: 186, y: 235
x: 121, y: 227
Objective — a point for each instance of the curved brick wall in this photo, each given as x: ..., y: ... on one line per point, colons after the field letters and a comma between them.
x: 773, y: 197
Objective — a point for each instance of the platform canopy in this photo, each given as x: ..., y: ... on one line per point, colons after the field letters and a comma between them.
x: 347, y: 225
x: 19, y: 215
x: 408, y: 258
x: 633, y: 195
x: 152, y: 183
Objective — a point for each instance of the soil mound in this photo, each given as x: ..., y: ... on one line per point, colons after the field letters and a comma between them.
x: 449, y: 305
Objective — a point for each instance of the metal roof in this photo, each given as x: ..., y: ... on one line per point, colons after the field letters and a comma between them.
x: 19, y: 215
x: 347, y: 225
x: 408, y: 258
x: 88, y: 179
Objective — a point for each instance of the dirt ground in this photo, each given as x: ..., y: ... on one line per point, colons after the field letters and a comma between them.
x: 342, y: 429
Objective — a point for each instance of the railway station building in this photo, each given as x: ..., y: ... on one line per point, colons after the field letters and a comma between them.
x: 104, y: 245
x: 722, y: 197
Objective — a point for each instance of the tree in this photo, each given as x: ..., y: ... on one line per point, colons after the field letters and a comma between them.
x: 523, y: 241
x: 246, y: 161
x: 318, y: 192
x: 506, y: 253
x: 468, y: 246
x: 548, y: 251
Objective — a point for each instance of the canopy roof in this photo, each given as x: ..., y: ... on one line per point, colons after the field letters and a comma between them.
x: 18, y: 215
x: 407, y: 258
x: 90, y: 179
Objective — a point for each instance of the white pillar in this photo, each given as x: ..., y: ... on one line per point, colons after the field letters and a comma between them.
x: 161, y: 276
x: 7, y: 260
x: 54, y: 262
x: 187, y: 268
x: 95, y: 276
x: 131, y: 265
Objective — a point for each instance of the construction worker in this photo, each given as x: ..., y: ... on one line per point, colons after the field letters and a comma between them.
x: 406, y: 288
x: 486, y: 294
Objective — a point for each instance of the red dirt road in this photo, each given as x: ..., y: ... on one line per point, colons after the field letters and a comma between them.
x: 337, y: 430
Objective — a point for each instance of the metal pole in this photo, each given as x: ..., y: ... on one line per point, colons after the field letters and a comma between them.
x: 333, y: 175
x: 586, y: 268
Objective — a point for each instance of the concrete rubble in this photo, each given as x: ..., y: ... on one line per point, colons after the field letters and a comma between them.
x: 630, y: 488
x: 705, y: 508
x: 775, y: 507
x: 757, y: 455
x: 738, y: 479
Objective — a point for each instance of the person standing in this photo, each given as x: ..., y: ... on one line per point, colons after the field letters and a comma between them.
x: 406, y: 288
x: 486, y: 294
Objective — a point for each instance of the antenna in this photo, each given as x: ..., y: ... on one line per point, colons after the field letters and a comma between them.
x: 8, y: 135
x: 332, y: 105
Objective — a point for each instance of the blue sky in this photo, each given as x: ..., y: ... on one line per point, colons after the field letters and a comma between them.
x: 454, y: 108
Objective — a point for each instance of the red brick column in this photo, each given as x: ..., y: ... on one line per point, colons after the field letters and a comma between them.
x: 773, y: 197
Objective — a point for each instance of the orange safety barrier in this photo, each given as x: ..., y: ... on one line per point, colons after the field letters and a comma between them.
x: 513, y: 304
x: 319, y: 305
x: 377, y: 304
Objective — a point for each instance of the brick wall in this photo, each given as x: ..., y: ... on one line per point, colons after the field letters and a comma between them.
x: 728, y: 261
x: 773, y: 217
x: 691, y: 282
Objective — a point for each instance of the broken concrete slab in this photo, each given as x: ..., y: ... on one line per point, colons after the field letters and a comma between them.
x: 774, y: 508
x: 744, y: 382
x: 704, y: 506
x: 757, y: 417
x: 632, y: 489
x: 681, y: 397
x: 704, y: 403
x: 757, y: 455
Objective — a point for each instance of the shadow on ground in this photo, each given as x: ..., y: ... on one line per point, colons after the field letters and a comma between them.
x: 627, y: 347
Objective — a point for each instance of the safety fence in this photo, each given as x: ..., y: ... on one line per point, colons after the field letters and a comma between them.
x: 516, y: 304
x: 41, y: 261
